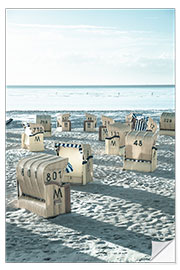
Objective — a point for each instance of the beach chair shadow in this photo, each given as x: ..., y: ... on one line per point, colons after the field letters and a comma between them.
x: 145, y: 198
x: 106, y: 232
x: 26, y: 245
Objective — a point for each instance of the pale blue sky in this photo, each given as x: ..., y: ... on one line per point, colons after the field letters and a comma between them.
x: 105, y: 46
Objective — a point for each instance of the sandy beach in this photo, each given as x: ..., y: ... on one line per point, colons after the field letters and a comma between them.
x: 112, y: 219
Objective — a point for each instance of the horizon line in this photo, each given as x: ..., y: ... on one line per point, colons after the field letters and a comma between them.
x: 89, y: 85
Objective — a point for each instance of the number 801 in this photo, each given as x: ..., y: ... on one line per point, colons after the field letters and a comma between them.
x: 52, y: 176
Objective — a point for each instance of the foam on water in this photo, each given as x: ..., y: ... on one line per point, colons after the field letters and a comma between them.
x: 90, y: 98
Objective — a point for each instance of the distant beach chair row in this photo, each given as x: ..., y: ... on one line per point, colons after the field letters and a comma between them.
x: 113, y: 133
x: 136, y: 121
x: 135, y: 139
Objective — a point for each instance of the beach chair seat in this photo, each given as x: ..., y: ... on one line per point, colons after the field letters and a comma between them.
x: 81, y: 162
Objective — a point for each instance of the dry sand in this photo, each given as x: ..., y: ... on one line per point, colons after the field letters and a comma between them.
x: 113, y: 219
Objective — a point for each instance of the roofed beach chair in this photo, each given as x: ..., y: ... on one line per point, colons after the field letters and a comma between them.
x: 90, y: 123
x: 140, y: 151
x: 103, y: 130
x: 115, y: 141
x: 167, y: 124
x: 81, y: 161
x: 40, y: 185
x: 45, y: 121
x: 33, y: 137
x: 63, y: 122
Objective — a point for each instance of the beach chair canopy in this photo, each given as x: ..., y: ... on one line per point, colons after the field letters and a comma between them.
x: 33, y: 128
x: 45, y: 121
x: 63, y: 117
x: 141, y: 122
x: 35, y: 173
x: 90, y: 117
x: 106, y: 120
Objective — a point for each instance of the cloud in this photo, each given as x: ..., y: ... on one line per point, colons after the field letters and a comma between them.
x: 165, y: 56
x: 84, y: 28
x: 85, y: 50
x: 57, y: 26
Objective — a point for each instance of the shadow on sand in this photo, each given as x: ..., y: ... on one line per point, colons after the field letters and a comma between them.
x: 145, y: 198
x: 30, y: 247
x: 105, y: 231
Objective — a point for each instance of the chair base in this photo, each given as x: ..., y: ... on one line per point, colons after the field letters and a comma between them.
x: 139, y: 166
x: 42, y: 208
x: 167, y: 132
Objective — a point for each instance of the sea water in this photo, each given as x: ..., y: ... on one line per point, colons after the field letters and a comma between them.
x: 98, y: 98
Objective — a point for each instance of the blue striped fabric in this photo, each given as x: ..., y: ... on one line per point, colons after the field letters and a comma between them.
x: 70, y: 145
x: 140, y: 122
x: 69, y: 168
x: 133, y: 115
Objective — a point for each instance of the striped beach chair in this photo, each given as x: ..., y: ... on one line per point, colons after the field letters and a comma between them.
x: 141, y: 122
x: 80, y: 166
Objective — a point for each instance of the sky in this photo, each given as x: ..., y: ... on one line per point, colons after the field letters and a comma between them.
x: 90, y: 46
